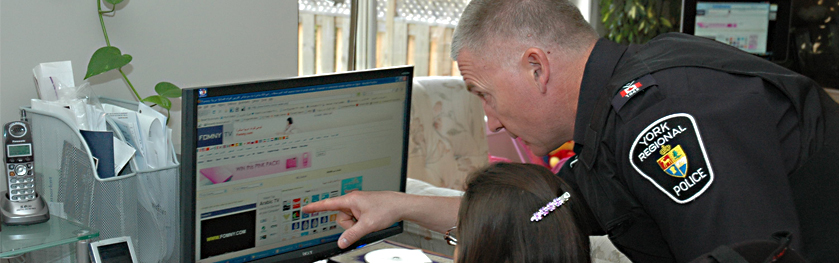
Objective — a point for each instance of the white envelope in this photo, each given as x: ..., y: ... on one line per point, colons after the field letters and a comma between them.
x: 61, y: 71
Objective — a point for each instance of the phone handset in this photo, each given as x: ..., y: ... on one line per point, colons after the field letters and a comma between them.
x: 20, y: 205
x: 20, y: 162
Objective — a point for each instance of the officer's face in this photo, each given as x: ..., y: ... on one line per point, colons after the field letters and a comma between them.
x: 511, y: 101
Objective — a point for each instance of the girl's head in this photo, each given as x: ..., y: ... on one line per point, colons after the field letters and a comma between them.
x: 494, y: 221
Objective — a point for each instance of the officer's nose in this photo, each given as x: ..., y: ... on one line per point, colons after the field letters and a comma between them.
x: 493, y: 124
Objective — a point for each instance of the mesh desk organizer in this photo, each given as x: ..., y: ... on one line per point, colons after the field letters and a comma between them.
x: 142, y: 204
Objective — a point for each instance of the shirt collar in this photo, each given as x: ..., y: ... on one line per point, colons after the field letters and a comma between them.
x: 599, y: 69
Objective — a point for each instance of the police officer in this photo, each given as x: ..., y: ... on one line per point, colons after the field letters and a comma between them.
x: 683, y: 144
x: 700, y: 143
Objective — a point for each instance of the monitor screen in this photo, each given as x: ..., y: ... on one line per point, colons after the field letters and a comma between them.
x: 757, y: 27
x: 253, y: 154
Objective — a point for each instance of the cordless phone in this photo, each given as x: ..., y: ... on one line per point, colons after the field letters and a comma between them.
x: 20, y: 162
x: 20, y: 204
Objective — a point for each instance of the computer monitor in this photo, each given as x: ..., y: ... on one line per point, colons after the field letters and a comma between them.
x: 254, y: 153
x: 760, y: 27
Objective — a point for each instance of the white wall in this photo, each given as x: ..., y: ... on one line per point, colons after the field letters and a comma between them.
x: 188, y: 43
x: 591, y: 12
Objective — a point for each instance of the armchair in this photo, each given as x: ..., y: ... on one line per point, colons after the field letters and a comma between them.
x: 447, y: 138
x: 447, y: 141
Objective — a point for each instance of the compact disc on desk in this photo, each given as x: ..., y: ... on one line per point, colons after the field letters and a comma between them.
x: 391, y: 255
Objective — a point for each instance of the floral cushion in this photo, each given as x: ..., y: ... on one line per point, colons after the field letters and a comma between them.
x: 447, y: 134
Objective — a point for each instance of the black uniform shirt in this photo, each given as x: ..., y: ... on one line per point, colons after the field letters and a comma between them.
x: 711, y: 156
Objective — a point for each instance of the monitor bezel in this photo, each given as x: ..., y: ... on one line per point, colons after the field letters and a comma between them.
x: 780, y: 44
x: 190, y: 97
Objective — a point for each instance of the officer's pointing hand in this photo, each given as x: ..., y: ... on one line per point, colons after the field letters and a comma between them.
x: 360, y: 213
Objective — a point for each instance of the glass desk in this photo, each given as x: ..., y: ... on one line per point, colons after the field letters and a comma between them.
x: 16, y: 240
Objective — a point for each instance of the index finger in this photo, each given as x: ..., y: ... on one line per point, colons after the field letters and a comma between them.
x: 331, y: 204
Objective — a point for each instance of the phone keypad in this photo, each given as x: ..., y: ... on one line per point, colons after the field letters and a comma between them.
x: 21, y: 182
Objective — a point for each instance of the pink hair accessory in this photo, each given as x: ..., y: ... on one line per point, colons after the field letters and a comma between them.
x: 550, y: 207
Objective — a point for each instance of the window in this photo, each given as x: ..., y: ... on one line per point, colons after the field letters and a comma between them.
x: 408, y: 32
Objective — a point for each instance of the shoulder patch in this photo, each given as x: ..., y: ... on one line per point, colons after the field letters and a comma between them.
x: 671, y: 155
x: 630, y: 89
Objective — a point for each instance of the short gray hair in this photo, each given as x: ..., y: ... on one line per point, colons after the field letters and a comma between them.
x: 549, y: 22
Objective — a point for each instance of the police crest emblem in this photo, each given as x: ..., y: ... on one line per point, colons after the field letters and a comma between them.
x: 661, y: 151
x: 673, y: 161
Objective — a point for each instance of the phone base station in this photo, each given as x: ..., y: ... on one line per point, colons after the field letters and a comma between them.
x: 23, y: 213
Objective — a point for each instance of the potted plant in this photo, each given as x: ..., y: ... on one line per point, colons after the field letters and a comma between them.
x: 638, y: 21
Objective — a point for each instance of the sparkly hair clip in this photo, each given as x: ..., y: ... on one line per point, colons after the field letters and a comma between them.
x: 550, y: 207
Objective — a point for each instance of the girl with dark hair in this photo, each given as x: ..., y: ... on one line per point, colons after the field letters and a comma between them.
x: 512, y: 212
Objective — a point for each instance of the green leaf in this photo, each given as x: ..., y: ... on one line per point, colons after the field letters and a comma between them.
x: 161, y: 101
x: 666, y: 22
x: 168, y: 90
x: 604, y: 7
x: 632, y: 12
x: 106, y: 59
x: 114, y: 2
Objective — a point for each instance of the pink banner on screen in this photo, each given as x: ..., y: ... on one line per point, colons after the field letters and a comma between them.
x: 234, y: 172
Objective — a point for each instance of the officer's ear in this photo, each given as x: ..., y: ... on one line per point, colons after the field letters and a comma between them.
x: 538, y: 67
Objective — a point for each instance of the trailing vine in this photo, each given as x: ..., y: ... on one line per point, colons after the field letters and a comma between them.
x: 109, y: 58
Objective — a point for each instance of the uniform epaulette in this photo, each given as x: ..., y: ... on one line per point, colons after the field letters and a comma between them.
x: 630, y: 89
